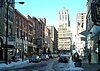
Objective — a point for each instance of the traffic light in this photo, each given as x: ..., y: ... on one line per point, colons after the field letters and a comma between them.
x: 95, y: 12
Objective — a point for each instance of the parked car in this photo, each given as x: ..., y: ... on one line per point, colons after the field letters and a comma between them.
x: 14, y: 59
x: 68, y: 55
x: 63, y: 59
x: 44, y: 57
x: 34, y: 58
x: 50, y: 56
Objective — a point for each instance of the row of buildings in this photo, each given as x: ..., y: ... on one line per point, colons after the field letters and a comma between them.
x: 90, y: 36
x: 26, y: 35
x: 64, y: 31
x: 93, y: 30
x: 79, y: 38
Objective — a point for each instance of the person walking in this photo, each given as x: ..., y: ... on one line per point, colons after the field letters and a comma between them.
x: 89, y: 58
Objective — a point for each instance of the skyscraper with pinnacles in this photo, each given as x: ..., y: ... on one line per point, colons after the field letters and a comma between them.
x: 64, y: 31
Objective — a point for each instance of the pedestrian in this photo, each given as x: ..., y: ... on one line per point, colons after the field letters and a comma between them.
x: 76, y: 57
x: 89, y: 58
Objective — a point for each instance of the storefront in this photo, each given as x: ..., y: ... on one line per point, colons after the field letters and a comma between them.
x: 11, y: 50
x: 95, y: 44
x: 1, y: 49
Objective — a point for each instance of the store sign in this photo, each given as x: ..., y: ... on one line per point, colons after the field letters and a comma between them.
x: 95, y: 13
x: 98, y: 13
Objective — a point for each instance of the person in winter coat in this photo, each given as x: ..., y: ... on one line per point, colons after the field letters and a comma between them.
x: 89, y: 58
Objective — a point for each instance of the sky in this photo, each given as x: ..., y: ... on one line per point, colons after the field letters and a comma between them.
x: 49, y: 9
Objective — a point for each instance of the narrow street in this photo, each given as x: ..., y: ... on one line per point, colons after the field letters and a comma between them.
x: 49, y: 65
x: 54, y: 65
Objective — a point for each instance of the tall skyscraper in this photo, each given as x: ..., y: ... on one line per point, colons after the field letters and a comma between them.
x: 64, y: 31
x: 81, y: 26
x: 81, y: 22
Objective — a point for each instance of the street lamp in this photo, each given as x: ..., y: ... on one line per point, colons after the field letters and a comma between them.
x: 6, y: 50
x: 22, y: 48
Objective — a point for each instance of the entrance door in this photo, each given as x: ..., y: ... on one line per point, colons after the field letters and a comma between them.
x: 99, y: 51
x: 1, y: 53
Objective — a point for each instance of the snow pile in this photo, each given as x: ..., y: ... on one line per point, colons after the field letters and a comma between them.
x: 71, y: 67
x: 13, y: 65
x: 71, y: 64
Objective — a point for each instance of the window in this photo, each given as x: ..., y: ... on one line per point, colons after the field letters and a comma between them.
x: 17, y: 31
x: 10, y: 30
x: 82, y: 25
x: 30, y: 28
x: 10, y: 15
x: 78, y: 23
x: 65, y: 17
x: 0, y: 10
x: 59, y: 17
x: 1, y: 1
x: 11, y: 1
x: 17, y: 21
x: 20, y: 33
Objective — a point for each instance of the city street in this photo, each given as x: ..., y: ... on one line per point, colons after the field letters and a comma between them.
x: 50, y: 35
x: 49, y: 65
x: 53, y: 65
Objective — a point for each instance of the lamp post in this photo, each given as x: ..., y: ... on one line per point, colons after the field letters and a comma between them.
x: 7, y: 23
x: 22, y: 48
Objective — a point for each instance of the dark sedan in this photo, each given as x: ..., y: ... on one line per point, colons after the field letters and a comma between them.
x: 63, y: 59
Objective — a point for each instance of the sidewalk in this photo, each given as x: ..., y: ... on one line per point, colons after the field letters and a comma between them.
x: 13, y: 65
x: 90, y: 67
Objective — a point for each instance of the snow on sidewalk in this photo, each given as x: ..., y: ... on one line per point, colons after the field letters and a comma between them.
x: 12, y: 65
x: 70, y: 66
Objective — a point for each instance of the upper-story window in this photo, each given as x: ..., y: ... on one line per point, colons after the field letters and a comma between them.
x: 24, y: 22
x: 30, y: 27
x: 11, y: 1
x: 10, y: 15
x: 17, y: 32
x: 62, y: 17
x: 78, y: 23
x: 59, y: 17
x: 0, y: 10
x: 82, y: 25
x: 30, y: 38
x: 17, y: 21
x: 20, y: 22
x: 1, y: 3
x: 65, y: 17
x: 10, y: 30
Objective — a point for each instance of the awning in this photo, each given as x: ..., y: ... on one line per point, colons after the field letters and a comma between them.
x: 8, y: 46
x: 84, y: 33
x: 1, y: 41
